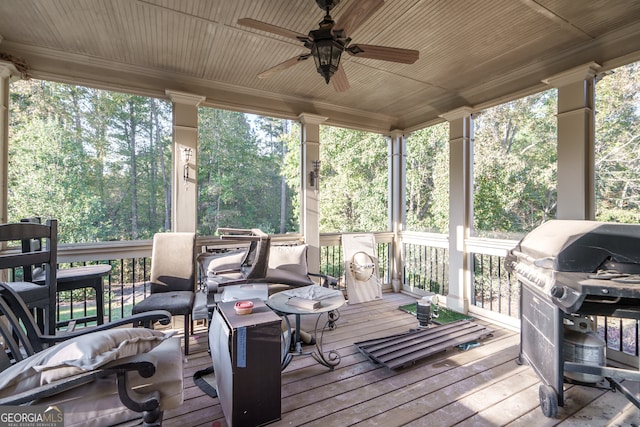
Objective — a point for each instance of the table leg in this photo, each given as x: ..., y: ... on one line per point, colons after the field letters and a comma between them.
x: 297, y: 341
x: 99, y: 301
x: 293, y: 343
x: 289, y: 344
x: 332, y: 358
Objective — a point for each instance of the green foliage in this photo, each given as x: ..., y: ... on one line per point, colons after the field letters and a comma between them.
x: 90, y: 159
x: 515, y: 165
x: 428, y: 179
x: 617, y: 148
x: 100, y: 162
x: 353, y: 181
x: 240, y: 173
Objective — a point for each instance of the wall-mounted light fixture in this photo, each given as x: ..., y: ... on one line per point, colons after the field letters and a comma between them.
x: 314, y: 175
x: 186, y: 155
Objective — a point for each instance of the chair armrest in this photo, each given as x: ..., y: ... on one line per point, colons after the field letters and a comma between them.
x: 327, y: 281
x: 162, y: 316
x: 50, y: 389
x: 225, y: 271
x: 144, y: 364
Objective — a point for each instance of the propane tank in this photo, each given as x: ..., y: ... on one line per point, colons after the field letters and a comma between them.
x: 583, y: 345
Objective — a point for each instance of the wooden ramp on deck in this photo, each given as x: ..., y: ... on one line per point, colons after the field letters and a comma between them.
x: 402, y: 350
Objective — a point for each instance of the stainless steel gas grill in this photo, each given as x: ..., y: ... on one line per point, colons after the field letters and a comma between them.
x: 570, y: 272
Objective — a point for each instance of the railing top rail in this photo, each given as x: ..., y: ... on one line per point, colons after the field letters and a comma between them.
x: 423, y: 238
x: 488, y: 246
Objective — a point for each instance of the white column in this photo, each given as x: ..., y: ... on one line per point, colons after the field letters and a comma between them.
x: 7, y: 69
x: 309, y: 206
x: 576, y: 136
x: 184, y: 199
x: 460, y: 206
x: 397, y: 202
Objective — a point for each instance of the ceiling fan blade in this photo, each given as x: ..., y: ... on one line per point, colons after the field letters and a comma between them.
x: 273, y: 29
x: 393, y: 54
x: 356, y: 13
x: 339, y: 80
x: 283, y: 66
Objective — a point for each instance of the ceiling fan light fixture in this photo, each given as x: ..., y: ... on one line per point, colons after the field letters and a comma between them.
x: 331, y: 39
x: 325, y: 48
x: 326, y: 54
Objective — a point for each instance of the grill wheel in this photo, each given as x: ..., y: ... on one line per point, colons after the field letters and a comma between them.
x: 548, y: 401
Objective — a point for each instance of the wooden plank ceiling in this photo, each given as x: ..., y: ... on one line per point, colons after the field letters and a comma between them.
x: 472, y: 53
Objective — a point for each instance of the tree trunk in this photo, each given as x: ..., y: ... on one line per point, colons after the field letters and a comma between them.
x: 134, y: 172
x: 283, y: 195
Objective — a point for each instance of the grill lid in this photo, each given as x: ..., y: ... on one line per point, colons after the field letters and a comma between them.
x: 581, y: 246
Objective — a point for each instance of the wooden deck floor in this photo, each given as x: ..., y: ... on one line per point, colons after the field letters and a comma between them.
x: 480, y: 387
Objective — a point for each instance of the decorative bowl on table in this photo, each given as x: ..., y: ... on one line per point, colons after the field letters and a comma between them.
x: 243, y: 307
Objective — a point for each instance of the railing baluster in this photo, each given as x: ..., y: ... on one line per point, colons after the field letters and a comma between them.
x: 122, y: 288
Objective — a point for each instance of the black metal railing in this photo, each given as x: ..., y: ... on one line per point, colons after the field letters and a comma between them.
x: 332, y: 260
x: 494, y: 288
x: 426, y: 268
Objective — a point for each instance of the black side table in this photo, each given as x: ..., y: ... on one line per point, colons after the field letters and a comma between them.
x: 89, y: 276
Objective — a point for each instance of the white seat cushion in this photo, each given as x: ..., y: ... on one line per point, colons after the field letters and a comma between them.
x: 290, y: 258
x: 77, y: 355
x: 98, y: 404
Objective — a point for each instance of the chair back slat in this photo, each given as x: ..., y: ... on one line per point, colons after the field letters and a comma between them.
x: 46, y: 255
x: 24, y: 230
x: 24, y: 260
x: 5, y: 362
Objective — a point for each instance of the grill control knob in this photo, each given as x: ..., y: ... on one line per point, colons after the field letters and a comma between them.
x: 557, y: 292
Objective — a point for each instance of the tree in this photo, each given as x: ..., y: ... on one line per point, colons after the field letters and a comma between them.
x: 617, y: 147
x: 86, y: 158
x: 240, y: 172
x: 427, y: 184
x: 515, y: 165
x: 353, y: 181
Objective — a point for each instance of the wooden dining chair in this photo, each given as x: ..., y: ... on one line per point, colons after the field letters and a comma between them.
x: 41, y: 298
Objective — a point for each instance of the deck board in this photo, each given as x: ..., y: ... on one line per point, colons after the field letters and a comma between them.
x: 483, y: 386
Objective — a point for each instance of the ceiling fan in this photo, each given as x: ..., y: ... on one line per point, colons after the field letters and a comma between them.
x: 330, y: 40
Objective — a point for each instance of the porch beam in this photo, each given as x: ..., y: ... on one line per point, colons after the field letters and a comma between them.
x: 576, y: 140
x: 309, y: 205
x: 184, y: 192
x: 460, y: 206
x: 397, y: 202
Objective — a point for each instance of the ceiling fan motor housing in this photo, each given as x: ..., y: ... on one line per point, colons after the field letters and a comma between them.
x: 327, y: 4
